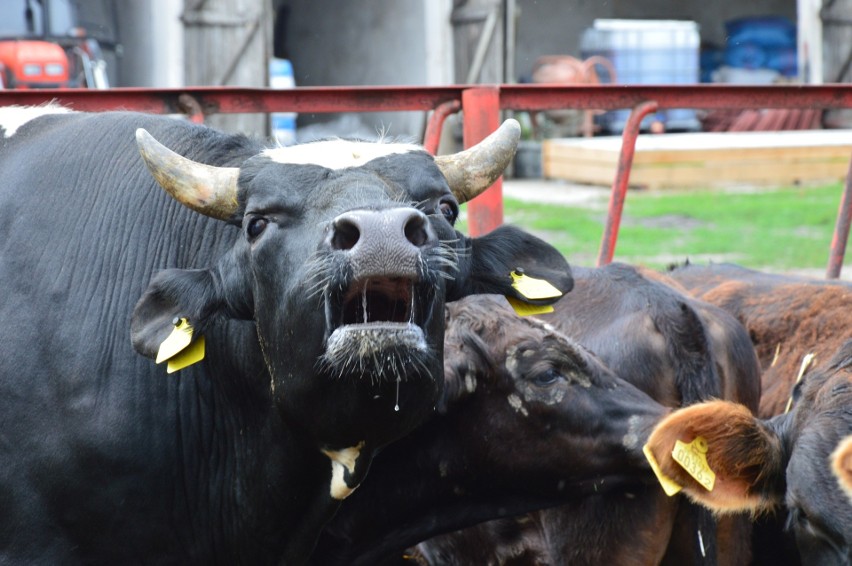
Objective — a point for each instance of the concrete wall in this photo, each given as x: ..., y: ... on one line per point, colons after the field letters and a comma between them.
x: 152, y: 37
x: 380, y: 42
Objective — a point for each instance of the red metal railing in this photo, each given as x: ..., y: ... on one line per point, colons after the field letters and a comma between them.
x: 481, y: 105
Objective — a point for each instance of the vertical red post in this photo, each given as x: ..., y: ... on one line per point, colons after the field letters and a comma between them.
x: 432, y: 135
x: 481, y: 108
x: 622, y: 179
x: 841, y: 230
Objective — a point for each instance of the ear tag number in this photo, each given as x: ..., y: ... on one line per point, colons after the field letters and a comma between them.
x: 179, y: 339
x: 670, y: 486
x: 692, y: 457
x: 526, y: 309
x: 533, y: 288
x: 191, y: 354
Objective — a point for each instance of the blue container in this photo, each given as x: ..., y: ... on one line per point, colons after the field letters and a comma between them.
x: 652, y: 52
x: 762, y: 43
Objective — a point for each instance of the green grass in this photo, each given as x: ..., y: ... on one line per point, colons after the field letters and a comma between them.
x: 777, y: 229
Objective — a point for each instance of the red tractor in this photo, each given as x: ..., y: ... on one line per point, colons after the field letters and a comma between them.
x: 41, y: 46
x: 33, y: 64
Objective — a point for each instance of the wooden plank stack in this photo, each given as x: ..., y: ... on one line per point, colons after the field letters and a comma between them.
x: 694, y: 160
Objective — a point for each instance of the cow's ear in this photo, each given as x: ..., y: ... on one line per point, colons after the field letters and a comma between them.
x: 743, y: 452
x: 496, y: 255
x: 841, y: 465
x: 198, y: 295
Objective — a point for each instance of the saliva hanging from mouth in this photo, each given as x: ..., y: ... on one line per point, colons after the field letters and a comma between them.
x: 377, y: 328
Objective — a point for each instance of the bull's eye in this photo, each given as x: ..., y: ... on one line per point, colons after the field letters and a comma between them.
x: 547, y: 377
x: 449, y: 210
x: 255, y: 227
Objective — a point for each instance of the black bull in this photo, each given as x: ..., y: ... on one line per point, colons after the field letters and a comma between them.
x: 317, y: 276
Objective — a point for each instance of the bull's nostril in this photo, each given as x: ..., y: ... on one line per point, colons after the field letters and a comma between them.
x: 345, y: 234
x: 415, y: 230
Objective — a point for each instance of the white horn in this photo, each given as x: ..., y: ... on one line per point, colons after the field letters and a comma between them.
x: 207, y: 189
x: 473, y: 170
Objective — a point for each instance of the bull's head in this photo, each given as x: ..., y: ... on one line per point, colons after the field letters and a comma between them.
x: 346, y: 258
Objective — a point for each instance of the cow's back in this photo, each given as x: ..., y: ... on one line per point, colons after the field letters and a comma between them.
x: 84, y: 227
x: 787, y: 318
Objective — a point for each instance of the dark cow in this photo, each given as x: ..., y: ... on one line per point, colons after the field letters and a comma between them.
x: 528, y: 419
x: 317, y: 275
x: 797, y: 460
x: 678, y: 350
x: 787, y: 317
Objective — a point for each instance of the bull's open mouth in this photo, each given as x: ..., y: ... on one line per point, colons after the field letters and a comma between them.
x: 379, y: 300
x: 376, y: 317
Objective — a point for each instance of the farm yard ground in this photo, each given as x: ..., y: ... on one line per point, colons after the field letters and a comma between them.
x: 780, y: 229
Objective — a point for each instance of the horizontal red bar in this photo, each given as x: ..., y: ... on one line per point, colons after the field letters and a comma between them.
x: 229, y: 100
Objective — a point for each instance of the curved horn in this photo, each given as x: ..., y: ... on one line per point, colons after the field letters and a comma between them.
x: 210, y: 190
x: 473, y: 170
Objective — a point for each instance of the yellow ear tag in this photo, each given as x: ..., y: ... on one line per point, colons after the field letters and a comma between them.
x: 526, y: 309
x: 533, y: 288
x: 670, y: 486
x: 179, y: 339
x: 191, y: 354
x: 692, y: 457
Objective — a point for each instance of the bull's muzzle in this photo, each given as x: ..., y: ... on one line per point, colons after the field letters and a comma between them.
x: 382, y: 243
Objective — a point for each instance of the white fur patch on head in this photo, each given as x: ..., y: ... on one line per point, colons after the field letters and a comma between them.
x: 13, y: 117
x: 337, y: 154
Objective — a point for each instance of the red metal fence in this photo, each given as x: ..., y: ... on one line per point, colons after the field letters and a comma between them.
x: 481, y: 106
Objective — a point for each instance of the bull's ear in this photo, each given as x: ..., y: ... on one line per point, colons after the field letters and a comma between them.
x: 743, y: 452
x: 198, y: 295
x: 493, y: 258
x: 841, y: 465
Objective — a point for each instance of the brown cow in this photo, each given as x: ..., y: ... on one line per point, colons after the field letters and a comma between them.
x: 787, y: 317
x: 798, y: 460
x: 678, y: 350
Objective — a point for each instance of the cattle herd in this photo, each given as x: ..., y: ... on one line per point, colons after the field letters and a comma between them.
x: 217, y: 351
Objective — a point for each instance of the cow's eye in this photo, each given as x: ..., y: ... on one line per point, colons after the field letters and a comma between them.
x: 547, y: 377
x: 255, y: 227
x: 450, y: 211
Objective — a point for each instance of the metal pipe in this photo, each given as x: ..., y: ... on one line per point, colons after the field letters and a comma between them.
x: 520, y: 97
x: 432, y: 135
x: 622, y: 179
x: 481, y: 117
x: 841, y: 230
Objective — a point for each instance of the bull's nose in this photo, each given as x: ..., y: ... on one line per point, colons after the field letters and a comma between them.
x: 369, y: 229
x: 382, y: 243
